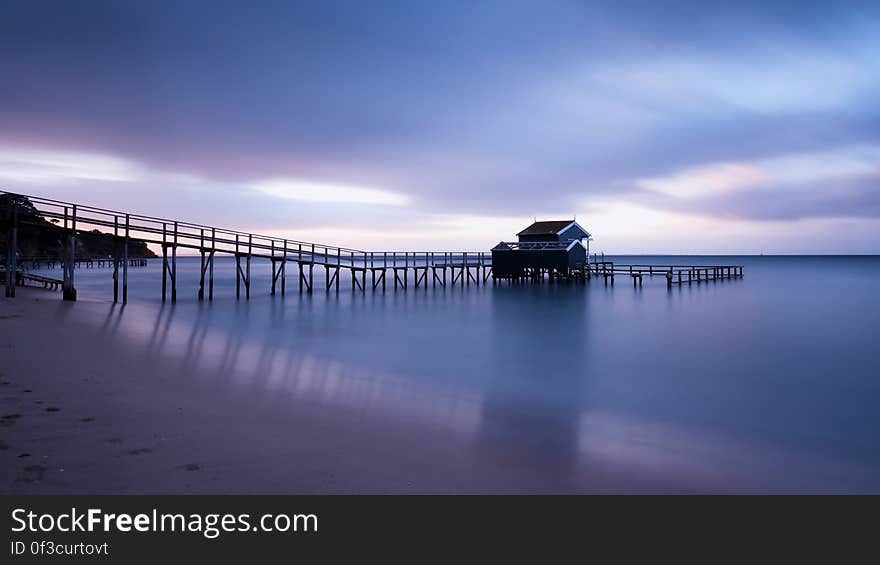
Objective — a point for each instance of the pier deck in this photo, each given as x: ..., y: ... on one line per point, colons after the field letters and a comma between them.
x: 675, y: 274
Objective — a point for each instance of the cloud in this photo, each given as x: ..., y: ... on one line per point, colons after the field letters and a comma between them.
x: 770, y: 75
x: 302, y: 114
x: 312, y: 191
x: 26, y: 166
x: 707, y: 180
x: 791, y: 178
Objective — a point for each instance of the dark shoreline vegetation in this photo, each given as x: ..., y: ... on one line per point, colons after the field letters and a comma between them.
x: 39, y: 237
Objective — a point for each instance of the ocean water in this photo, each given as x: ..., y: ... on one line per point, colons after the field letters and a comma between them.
x: 768, y: 383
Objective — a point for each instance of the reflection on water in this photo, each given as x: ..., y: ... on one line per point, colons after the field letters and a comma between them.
x: 762, y: 383
x: 539, y: 376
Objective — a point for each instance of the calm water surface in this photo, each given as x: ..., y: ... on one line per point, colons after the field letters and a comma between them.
x: 767, y: 383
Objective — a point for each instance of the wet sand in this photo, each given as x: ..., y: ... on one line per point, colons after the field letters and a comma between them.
x: 741, y: 386
x: 84, y: 412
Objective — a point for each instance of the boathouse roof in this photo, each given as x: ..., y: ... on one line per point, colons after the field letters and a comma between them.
x: 552, y: 227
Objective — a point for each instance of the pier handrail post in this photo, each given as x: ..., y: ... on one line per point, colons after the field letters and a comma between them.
x: 247, y: 282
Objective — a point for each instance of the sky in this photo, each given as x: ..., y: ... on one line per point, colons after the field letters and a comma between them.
x: 663, y: 127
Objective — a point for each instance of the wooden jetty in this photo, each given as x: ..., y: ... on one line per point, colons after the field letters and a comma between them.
x: 79, y: 262
x: 22, y: 278
x: 403, y: 267
x: 463, y: 268
x: 675, y: 274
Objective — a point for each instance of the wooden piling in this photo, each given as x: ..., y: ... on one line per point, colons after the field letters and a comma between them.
x: 247, y: 282
x: 174, y: 266
x: 202, y: 264
x: 284, y: 269
x: 12, y: 252
x: 117, y: 256
x: 70, y: 287
x: 237, y: 269
x: 125, y: 261
x: 164, y: 260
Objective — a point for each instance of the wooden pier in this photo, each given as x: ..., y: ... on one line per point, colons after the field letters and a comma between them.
x: 608, y: 270
x: 674, y: 274
x: 452, y: 268
x: 403, y: 268
x: 78, y: 263
x: 22, y: 278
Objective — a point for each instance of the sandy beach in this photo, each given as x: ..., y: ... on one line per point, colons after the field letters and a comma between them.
x: 84, y: 411
x: 499, y: 389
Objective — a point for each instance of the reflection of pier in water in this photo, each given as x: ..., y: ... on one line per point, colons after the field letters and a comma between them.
x: 532, y: 409
x: 198, y: 341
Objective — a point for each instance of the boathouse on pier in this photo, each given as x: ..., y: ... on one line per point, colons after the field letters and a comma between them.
x: 552, y: 247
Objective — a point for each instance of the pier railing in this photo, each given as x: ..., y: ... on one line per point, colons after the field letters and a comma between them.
x: 198, y: 237
x: 208, y: 241
x: 675, y: 274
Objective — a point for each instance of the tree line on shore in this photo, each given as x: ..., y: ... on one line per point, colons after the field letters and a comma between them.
x: 39, y: 237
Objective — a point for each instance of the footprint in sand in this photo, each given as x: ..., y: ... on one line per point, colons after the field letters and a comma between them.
x: 9, y: 419
x: 32, y: 474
